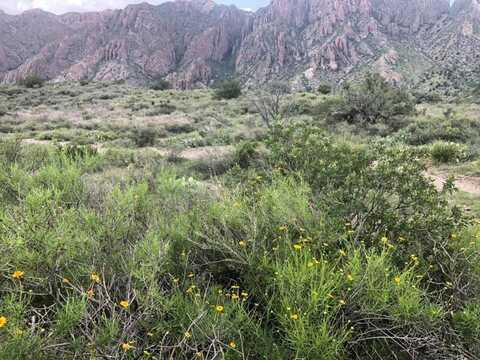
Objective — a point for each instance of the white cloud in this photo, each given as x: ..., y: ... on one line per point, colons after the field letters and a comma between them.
x: 63, y: 6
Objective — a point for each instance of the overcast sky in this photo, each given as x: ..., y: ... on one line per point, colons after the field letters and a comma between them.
x: 63, y: 6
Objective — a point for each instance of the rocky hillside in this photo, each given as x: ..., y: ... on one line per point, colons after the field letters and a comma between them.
x: 192, y: 43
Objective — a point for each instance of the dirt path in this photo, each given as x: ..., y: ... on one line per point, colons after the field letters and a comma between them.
x: 468, y: 184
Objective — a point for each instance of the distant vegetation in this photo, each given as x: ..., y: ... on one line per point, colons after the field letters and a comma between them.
x: 32, y: 81
x: 278, y: 225
x: 228, y: 89
x: 374, y: 101
x: 160, y: 84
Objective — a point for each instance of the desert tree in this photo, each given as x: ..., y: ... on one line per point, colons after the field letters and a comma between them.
x: 271, y: 102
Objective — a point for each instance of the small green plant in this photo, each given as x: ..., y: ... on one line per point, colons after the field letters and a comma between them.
x: 228, y: 89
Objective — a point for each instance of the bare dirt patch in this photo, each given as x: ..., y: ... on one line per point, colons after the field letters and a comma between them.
x: 468, y: 184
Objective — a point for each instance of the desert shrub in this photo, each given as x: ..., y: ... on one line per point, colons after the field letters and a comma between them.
x: 425, y: 131
x: 324, y: 89
x: 271, y: 103
x: 228, y: 89
x: 32, y: 81
x: 326, y: 248
x: 144, y: 136
x: 162, y: 109
x: 373, y: 101
x: 447, y: 152
x: 427, y: 97
x: 160, y: 85
x: 246, y: 154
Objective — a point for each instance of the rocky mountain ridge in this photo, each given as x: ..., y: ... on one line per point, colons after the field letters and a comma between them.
x: 195, y: 42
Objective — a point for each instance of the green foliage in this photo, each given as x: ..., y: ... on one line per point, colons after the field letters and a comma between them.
x: 445, y: 152
x: 228, y: 89
x: 144, y: 136
x: 160, y: 85
x: 428, y: 130
x: 324, y: 89
x: 374, y: 101
x: 308, y: 246
x: 32, y: 81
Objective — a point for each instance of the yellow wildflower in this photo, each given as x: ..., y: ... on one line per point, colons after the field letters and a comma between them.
x: 232, y: 344
x: 219, y: 308
x: 127, y: 346
x: 18, y: 275
x: 342, y: 252
x: 244, y: 294
x: 384, y: 240
x: 95, y: 278
x: 350, y: 277
x: 124, y: 304
x: 294, y: 317
x: 3, y: 321
x: 242, y: 243
x: 235, y: 297
x: 190, y: 275
x: 187, y: 335
x: 297, y: 246
x: 90, y: 293
x: 397, y: 280
x: 342, y: 302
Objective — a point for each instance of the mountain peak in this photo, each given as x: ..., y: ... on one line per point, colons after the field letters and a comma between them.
x: 191, y: 44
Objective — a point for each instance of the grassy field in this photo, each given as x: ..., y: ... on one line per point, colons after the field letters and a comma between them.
x: 142, y: 224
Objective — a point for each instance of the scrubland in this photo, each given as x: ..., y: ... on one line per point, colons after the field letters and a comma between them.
x: 144, y: 224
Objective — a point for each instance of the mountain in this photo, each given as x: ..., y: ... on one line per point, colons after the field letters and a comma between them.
x: 194, y: 42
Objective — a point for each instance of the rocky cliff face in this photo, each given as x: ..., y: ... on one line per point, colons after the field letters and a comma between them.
x: 189, y: 42
x: 194, y: 42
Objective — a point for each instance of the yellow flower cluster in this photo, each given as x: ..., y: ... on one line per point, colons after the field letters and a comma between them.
x: 3, y: 321
x: 18, y: 275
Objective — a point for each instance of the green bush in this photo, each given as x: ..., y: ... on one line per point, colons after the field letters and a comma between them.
x: 144, y: 136
x: 228, y: 89
x: 324, y: 89
x: 445, y: 152
x: 32, y: 81
x: 322, y: 247
x: 426, y: 131
x: 160, y: 85
x: 373, y: 101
